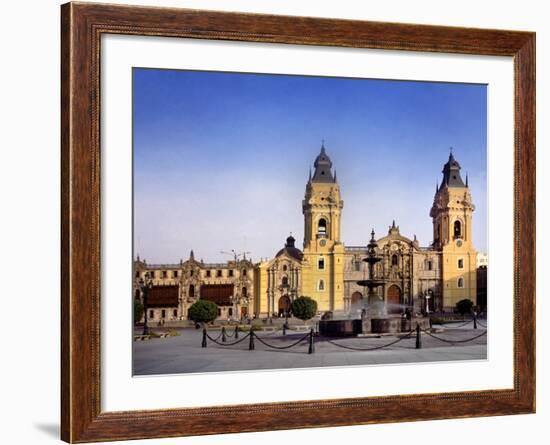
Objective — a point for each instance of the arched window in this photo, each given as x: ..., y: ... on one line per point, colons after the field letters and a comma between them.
x: 460, y: 283
x: 394, y: 260
x: 322, y: 227
x: 285, y: 268
x: 321, y: 284
x: 192, y: 291
x: 244, y: 292
x: 457, y: 229
x: 284, y: 281
x: 244, y: 272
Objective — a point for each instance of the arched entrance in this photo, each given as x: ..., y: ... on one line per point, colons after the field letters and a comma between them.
x: 284, y: 305
x: 393, y: 300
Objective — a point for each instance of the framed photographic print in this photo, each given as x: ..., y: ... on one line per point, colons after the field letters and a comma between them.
x: 276, y: 222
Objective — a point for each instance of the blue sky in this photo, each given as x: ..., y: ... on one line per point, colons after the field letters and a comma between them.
x: 221, y: 160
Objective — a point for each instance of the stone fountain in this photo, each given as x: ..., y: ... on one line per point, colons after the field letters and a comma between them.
x: 374, y: 315
x: 376, y: 307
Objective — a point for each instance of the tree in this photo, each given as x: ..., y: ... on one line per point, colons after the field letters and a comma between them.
x: 464, y: 306
x: 203, y: 311
x: 138, y: 310
x: 304, y: 308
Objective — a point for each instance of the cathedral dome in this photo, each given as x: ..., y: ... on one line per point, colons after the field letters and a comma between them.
x: 323, y: 166
x: 290, y: 249
x: 451, y: 173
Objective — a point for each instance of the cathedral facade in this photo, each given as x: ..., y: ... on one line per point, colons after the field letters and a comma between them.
x: 432, y: 278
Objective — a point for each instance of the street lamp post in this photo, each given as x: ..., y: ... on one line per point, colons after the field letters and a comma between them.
x: 146, y: 286
x: 428, y: 296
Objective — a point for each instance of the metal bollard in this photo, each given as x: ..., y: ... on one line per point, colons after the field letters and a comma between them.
x: 224, y: 339
x: 204, y: 338
x: 284, y: 329
x: 236, y: 332
x: 251, y: 343
x: 418, y: 337
x: 475, y: 321
x: 311, y: 343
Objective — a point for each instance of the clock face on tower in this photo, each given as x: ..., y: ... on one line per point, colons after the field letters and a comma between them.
x: 458, y: 243
x: 322, y: 242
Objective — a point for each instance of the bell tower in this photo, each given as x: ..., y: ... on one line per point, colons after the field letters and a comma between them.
x: 323, y: 249
x: 451, y: 214
x: 322, y: 205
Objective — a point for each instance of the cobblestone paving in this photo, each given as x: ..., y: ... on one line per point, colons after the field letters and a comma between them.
x: 184, y: 354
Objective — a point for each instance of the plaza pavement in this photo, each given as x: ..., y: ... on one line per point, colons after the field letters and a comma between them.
x: 184, y: 354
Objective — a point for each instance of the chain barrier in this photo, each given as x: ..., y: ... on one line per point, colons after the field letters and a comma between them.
x: 353, y: 348
x: 218, y: 337
x: 310, y: 335
x: 301, y: 339
x: 226, y: 344
x: 460, y: 325
x: 453, y: 341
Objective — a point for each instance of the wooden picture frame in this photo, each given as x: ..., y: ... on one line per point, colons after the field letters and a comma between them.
x: 82, y: 26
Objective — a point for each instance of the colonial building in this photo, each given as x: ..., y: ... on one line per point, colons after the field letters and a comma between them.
x: 431, y: 278
x: 177, y: 286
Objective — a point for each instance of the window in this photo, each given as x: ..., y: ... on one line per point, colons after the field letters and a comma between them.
x: 163, y: 313
x: 321, y: 264
x: 321, y: 285
x: 428, y: 265
x: 151, y: 314
x: 460, y: 283
x: 284, y: 281
x: 208, y: 274
x: 460, y: 263
x: 394, y: 260
x: 457, y: 229
x: 230, y: 311
x: 164, y: 274
x: 243, y: 273
x: 285, y: 268
x: 230, y: 272
x: 191, y: 273
x: 219, y: 273
x: 357, y: 265
x: 175, y: 274
x: 322, y: 227
x: 137, y: 273
x: 219, y: 312
x: 244, y: 292
x: 192, y: 291
x: 175, y: 313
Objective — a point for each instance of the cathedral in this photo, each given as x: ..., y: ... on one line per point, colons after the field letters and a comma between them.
x: 431, y: 278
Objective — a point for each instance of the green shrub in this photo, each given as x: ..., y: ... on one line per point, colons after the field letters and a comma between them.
x: 304, y: 308
x: 464, y: 306
x: 138, y: 311
x: 203, y: 311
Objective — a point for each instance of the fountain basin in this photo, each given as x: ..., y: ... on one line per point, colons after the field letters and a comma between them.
x: 340, y: 328
x: 396, y: 324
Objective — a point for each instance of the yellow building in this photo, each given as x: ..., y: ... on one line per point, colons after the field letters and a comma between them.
x: 323, y: 258
x: 452, y: 231
x: 430, y: 278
